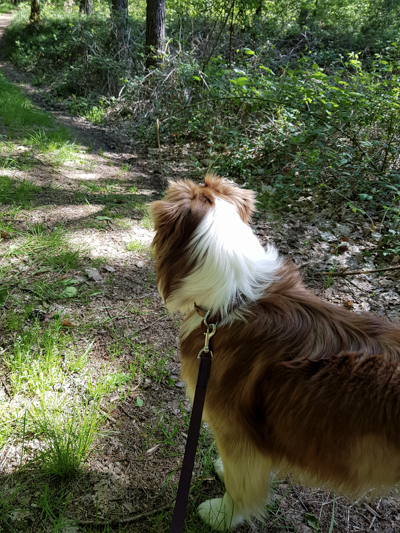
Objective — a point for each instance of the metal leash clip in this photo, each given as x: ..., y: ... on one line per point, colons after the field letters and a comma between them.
x: 211, y: 330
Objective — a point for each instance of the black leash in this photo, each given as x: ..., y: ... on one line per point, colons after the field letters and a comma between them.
x: 182, y: 496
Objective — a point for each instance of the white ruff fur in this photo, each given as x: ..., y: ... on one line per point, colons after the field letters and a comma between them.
x: 231, y: 265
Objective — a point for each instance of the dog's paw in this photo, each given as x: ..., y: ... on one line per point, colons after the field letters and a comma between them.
x: 219, y: 469
x: 218, y: 514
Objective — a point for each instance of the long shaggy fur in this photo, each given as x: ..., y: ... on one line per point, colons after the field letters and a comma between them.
x: 296, y: 384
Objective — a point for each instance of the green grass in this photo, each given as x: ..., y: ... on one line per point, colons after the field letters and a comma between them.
x: 64, y: 259
x: 137, y: 246
x: 35, y: 361
x: 149, y: 363
x: 67, y: 429
x: 17, y: 111
x: 19, y: 193
x: 34, y: 128
x: 6, y: 7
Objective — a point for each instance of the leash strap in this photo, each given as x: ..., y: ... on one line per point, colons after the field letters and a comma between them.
x: 182, y: 496
x: 191, y: 445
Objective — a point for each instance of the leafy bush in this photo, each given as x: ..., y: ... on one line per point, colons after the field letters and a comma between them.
x: 286, y: 101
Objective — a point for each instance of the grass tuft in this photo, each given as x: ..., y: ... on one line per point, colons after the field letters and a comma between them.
x: 67, y: 429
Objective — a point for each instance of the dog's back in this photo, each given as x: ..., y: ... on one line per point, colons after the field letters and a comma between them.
x: 311, y: 385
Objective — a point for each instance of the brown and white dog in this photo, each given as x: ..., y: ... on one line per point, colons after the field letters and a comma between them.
x: 296, y: 384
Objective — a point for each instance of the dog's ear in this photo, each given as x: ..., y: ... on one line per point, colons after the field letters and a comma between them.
x: 179, y: 214
x: 165, y: 215
x: 243, y: 199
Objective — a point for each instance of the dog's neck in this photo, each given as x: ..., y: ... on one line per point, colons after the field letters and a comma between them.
x: 231, y: 267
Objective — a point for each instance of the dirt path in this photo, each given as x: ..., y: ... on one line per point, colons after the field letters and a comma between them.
x: 106, y: 140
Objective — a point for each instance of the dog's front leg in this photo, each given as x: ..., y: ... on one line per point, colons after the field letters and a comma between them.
x: 219, y: 469
x: 219, y: 513
x: 246, y: 476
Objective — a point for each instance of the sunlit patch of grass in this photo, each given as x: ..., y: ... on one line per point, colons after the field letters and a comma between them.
x: 146, y: 222
x: 36, y: 127
x: 6, y: 427
x: 17, y: 111
x: 137, y: 246
x: 36, y: 229
x: 46, y: 248
x: 56, y: 143
x: 110, y: 186
x: 124, y: 223
x: 67, y: 428
x: 106, y: 383
x: 35, y: 360
x: 95, y: 114
x: 6, y: 7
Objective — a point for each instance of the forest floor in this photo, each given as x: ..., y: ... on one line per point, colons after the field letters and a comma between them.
x: 82, y: 225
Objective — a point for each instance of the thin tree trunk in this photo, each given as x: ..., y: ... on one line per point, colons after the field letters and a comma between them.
x: 120, y: 14
x: 35, y: 11
x: 120, y: 8
x: 155, y: 32
x: 86, y: 7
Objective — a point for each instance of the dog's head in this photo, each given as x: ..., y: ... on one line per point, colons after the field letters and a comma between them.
x: 179, y: 215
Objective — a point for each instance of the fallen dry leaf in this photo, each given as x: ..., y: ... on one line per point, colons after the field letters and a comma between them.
x: 4, y: 235
x: 67, y: 323
x: 152, y: 450
x: 349, y: 304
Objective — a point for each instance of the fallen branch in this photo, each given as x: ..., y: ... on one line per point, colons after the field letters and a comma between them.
x: 124, y: 520
x: 344, y: 273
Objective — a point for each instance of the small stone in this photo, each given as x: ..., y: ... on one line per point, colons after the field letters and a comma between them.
x: 93, y: 274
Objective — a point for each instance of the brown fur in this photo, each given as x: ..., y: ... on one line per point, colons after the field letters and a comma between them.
x: 178, y: 215
x: 298, y: 384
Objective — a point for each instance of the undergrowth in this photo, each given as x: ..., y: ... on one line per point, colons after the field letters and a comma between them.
x: 311, y: 111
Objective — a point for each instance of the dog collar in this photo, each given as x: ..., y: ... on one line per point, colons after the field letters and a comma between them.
x: 215, y: 316
x: 201, y: 312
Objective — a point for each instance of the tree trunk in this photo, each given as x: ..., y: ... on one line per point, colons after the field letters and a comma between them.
x: 155, y: 32
x: 86, y: 7
x: 35, y: 11
x: 120, y: 8
x: 119, y: 15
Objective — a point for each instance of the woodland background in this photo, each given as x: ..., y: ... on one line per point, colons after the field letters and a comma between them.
x: 100, y: 104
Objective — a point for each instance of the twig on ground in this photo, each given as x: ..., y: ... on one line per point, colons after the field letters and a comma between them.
x: 108, y: 416
x: 352, y: 283
x: 304, y: 505
x: 125, y: 520
x: 344, y: 273
x: 148, y: 326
